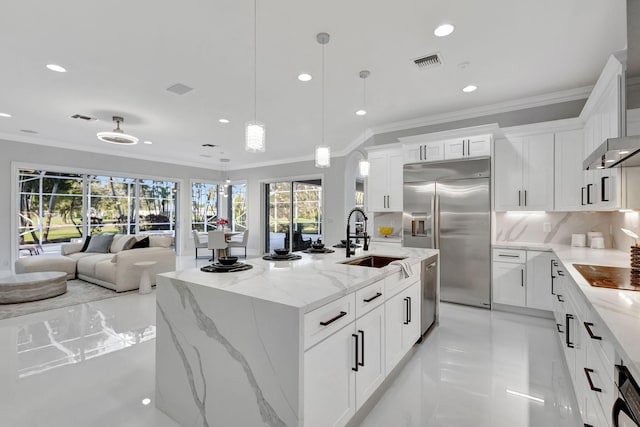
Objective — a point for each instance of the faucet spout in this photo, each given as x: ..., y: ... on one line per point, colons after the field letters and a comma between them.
x: 366, y: 242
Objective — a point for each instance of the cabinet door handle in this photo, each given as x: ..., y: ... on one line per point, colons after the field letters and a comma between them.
x: 582, y: 195
x: 559, y: 297
x: 588, y: 326
x: 587, y: 372
x: 568, y: 329
x: 406, y: 311
x: 603, y: 192
x: 409, y: 306
x: 509, y: 256
x: 553, y: 264
x: 469, y: 147
x: 463, y: 144
x: 378, y: 294
x: 333, y: 319
x: 525, y: 197
x: 522, y: 277
x: 519, y: 194
x: 589, y: 202
x: 420, y: 148
x: 355, y: 365
x: 560, y: 273
x: 558, y: 327
x: 361, y: 363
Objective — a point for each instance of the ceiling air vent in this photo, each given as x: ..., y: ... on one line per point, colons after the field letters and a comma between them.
x: 209, y: 145
x: 179, y: 89
x: 83, y: 117
x: 429, y: 61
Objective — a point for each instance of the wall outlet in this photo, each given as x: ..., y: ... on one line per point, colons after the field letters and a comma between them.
x: 546, y: 227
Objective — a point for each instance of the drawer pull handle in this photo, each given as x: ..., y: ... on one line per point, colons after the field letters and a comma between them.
x: 558, y: 327
x: 406, y: 308
x: 509, y: 256
x: 567, y: 336
x: 330, y: 321
x: 560, y: 273
x: 559, y: 297
x: 355, y: 365
x: 588, y: 325
x: 378, y: 294
x: 587, y: 371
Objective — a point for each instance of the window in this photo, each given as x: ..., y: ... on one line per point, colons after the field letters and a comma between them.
x: 204, y: 206
x: 359, y: 194
x: 111, y: 205
x: 238, y: 206
x: 157, y: 207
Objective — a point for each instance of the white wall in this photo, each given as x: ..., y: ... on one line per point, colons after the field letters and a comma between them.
x: 74, y: 160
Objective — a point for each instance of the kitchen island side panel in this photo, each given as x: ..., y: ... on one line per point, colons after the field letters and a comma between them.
x: 226, y: 359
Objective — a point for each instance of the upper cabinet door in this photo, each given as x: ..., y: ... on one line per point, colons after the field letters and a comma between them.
x: 433, y: 151
x: 537, y: 178
x: 508, y: 174
x: 455, y: 149
x: 568, y: 171
x: 377, y: 182
x: 394, y: 193
x: 479, y: 146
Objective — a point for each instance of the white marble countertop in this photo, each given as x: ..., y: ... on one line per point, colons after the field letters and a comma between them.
x: 619, y: 310
x: 546, y: 247
x: 308, y: 283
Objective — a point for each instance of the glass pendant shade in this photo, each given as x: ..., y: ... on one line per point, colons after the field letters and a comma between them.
x: 323, y: 156
x: 255, y: 134
x: 363, y: 167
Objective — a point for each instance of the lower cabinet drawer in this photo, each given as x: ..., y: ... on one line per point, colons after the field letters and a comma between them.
x: 599, y: 378
x: 510, y: 255
x: 369, y: 298
x: 396, y: 282
x: 323, y: 321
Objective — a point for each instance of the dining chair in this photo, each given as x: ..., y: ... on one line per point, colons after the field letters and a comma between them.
x: 236, y: 242
x: 200, y: 241
x: 216, y: 241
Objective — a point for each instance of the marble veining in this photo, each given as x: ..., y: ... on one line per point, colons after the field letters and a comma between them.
x: 206, y: 324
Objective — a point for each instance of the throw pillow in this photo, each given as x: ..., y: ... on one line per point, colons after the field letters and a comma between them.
x: 85, y: 244
x: 160, y: 241
x: 144, y: 243
x: 100, y: 243
x: 121, y: 242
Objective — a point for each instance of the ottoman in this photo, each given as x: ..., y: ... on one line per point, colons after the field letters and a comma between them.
x: 26, y: 287
x: 43, y: 263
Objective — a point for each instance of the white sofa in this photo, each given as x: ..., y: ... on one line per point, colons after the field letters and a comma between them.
x: 116, y: 270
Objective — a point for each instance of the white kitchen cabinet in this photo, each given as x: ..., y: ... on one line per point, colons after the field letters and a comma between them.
x: 455, y: 148
x: 384, y: 184
x: 524, y: 173
x: 330, y: 380
x: 427, y: 152
x: 538, y: 280
x: 509, y: 283
x: 371, y: 366
x: 467, y: 147
x: 569, y: 173
x: 402, y: 324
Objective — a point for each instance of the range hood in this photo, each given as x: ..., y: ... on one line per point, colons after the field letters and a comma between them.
x: 624, y: 150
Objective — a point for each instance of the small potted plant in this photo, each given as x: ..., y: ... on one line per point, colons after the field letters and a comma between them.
x: 222, y: 223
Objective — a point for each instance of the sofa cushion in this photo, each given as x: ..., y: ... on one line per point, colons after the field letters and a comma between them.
x: 105, y: 270
x: 143, y: 243
x: 160, y: 241
x: 121, y: 242
x: 87, y: 265
x: 100, y: 243
x: 46, y: 263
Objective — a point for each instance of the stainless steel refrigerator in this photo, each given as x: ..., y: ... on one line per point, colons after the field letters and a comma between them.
x: 447, y: 206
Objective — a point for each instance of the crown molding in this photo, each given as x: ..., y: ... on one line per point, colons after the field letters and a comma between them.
x: 542, y: 127
x: 501, y: 107
x: 362, y: 138
x: 492, y: 128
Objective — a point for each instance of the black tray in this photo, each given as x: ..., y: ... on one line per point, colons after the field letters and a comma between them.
x: 288, y: 257
x: 318, y: 251
x: 219, y: 268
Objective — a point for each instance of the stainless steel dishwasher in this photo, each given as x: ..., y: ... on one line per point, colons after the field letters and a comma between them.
x: 429, y: 293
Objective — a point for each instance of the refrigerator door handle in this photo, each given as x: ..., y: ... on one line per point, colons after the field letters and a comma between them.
x: 433, y: 221
x: 436, y: 222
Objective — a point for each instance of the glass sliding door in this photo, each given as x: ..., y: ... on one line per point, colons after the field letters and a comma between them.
x: 294, y: 214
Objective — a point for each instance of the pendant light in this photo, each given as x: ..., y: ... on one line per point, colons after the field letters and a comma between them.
x: 323, y: 152
x: 225, y: 168
x: 255, y: 131
x: 363, y: 164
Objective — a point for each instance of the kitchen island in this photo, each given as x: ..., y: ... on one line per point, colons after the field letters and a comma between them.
x: 287, y: 343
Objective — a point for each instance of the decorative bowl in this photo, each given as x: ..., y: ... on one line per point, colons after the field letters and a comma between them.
x: 317, y: 245
x: 281, y: 251
x: 385, y: 231
x: 227, y: 260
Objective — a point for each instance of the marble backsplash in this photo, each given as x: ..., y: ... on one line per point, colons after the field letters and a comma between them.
x: 530, y: 227
x: 629, y: 220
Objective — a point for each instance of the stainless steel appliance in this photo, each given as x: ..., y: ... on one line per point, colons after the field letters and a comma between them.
x: 604, y: 276
x: 429, y: 275
x: 447, y: 207
x: 626, y: 408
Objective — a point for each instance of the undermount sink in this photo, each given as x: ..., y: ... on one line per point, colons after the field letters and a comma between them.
x: 375, y: 261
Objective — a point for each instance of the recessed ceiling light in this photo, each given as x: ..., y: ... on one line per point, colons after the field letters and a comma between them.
x: 148, y: 142
x: 361, y: 112
x: 470, y: 88
x: 225, y: 121
x: 443, y: 30
x: 5, y: 115
x: 304, y: 77
x: 146, y: 401
x: 56, y: 68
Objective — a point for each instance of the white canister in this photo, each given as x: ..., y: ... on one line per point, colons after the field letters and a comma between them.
x: 591, y: 235
x: 597, y: 243
x: 578, y: 240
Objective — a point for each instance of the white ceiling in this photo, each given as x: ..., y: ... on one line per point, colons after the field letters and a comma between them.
x: 122, y: 55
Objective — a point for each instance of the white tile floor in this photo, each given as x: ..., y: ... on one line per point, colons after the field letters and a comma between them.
x: 93, y: 365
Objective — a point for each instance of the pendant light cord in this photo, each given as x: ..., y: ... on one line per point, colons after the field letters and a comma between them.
x: 255, y: 60
x: 323, y: 47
